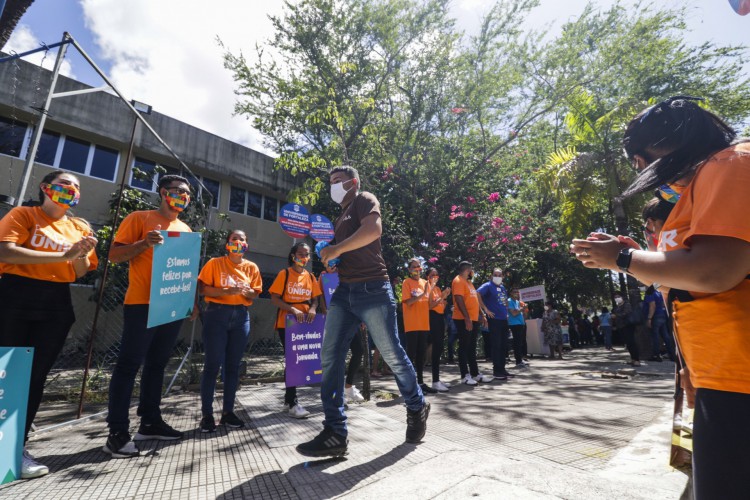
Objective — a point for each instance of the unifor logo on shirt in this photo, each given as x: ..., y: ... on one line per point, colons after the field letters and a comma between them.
x: 227, y: 280
x: 52, y: 242
x: 298, y: 289
x: 347, y: 218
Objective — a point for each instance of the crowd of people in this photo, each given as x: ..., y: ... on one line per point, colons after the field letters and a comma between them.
x: 696, y: 264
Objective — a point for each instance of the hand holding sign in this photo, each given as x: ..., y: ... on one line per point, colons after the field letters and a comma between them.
x: 154, y: 237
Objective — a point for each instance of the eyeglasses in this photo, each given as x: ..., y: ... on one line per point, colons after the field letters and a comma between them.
x: 177, y: 190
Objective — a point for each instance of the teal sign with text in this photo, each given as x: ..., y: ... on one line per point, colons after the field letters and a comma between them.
x: 174, y: 277
x: 15, y: 373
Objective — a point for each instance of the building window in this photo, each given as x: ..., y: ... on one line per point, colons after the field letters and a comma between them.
x: 104, y: 163
x: 143, y: 179
x: 270, y: 209
x: 11, y: 137
x: 237, y: 200
x: 75, y: 155
x: 47, y: 149
x: 211, y: 186
x: 254, y: 204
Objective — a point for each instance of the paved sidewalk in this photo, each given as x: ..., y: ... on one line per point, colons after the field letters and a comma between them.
x: 557, y: 430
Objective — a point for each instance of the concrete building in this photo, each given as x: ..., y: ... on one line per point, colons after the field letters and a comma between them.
x: 89, y: 135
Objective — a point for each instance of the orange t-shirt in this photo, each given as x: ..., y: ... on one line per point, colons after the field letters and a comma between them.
x: 30, y: 227
x: 464, y: 288
x: 436, y: 293
x: 133, y: 229
x: 297, y: 290
x: 416, y: 314
x: 220, y: 272
x: 712, y: 330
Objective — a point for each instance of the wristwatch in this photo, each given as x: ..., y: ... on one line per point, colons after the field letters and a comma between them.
x: 624, y: 258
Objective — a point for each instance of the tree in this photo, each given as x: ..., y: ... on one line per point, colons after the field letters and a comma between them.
x: 10, y: 16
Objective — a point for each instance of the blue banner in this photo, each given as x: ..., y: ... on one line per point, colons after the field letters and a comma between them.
x: 302, y: 356
x: 15, y: 373
x: 174, y: 277
x: 329, y: 282
x: 294, y: 220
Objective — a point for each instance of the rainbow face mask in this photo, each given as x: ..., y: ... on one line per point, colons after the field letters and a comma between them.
x: 670, y: 192
x: 301, y: 262
x: 178, y: 201
x: 62, y: 195
x: 236, y: 247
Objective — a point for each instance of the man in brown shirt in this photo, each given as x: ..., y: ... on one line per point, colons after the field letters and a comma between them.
x: 364, y: 295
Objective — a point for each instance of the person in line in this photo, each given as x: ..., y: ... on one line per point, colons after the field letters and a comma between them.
x: 493, y: 299
x: 552, y: 329
x: 43, y: 249
x: 702, y: 265
x: 452, y: 332
x: 437, y: 327
x: 364, y: 295
x: 295, y: 291
x: 605, y: 325
x: 228, y: 284
x: 416, y: 298
x: 517, y: 323
x: 140, y: 346
x: 466, y: 316
x: 622, y: 314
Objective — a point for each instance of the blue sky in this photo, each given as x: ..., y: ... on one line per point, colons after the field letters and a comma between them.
x: 164, y: 52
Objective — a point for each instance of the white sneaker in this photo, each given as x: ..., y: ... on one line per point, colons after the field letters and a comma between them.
x: 352, y: 394
x: 440, y: 387
x: 30, y: 468
x: 297, y: 411
x: 484, y: 378
x: 469, y: 381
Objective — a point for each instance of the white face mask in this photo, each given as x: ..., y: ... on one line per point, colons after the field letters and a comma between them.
x: 497, y: 280
x: 546, y: 308
x: 619, y: 301
x: 338, y: 193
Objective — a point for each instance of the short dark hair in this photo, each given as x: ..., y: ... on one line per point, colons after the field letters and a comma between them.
x: 349, y: 171
x: 293, y: 251
x: 657, y: 209
x: 681, y: 135
x: 232, y: 231
x: 166, y: 180
x: 430, y: 270
x: 605, y: 310
x: 463, y: 265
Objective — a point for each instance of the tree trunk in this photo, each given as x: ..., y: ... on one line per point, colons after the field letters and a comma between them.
x: 10, y: 16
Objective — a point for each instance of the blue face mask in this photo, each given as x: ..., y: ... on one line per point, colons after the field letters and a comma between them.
x: 670, y: 192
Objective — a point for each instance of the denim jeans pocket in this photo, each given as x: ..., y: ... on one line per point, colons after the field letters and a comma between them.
x: 376, y: 287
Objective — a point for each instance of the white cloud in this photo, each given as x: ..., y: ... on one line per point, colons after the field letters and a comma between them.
x: 165, y: 54
x: 23, y: 39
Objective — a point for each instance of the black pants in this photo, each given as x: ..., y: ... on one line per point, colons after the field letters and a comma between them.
x: 416, y: 346
x: 721, y: 461
x: 629, y: 334
x: 437, y: 338
x: 519, y: 342
x: 356, y: 360
x: 38, y: 314
x: 290, y: 394
x: 499, y: 343
x: 467, y: 348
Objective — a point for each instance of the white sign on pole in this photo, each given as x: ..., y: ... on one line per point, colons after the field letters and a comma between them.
x: 532, y: 293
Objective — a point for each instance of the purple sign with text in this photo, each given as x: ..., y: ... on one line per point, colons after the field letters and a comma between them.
x: 321, y: 229
x: 294, y: 220
x: 329, y: 282
x: 303, y: 344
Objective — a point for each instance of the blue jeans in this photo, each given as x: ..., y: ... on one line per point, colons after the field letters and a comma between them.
x: 150, y: 347
x: 499, y: 344
x: 660, y: 331
x: 226, y: 330
x: 371, y: 303
x: 607, y: 331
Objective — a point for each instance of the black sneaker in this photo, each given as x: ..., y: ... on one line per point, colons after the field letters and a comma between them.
x: 416, y: 423
x: 119, y: 445
x: 160, y: 431
x: 231, y: 420
x: 325, y: 444
x: 427, y: 389
x: 208, y: 424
